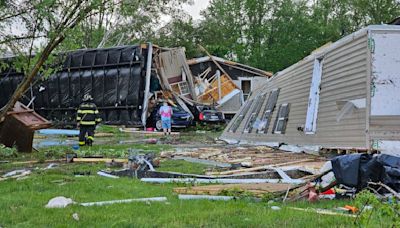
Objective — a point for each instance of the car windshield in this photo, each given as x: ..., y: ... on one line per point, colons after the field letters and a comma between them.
x: 177, y: 109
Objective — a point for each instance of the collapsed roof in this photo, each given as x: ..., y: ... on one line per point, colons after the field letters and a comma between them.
x: 123, y: 79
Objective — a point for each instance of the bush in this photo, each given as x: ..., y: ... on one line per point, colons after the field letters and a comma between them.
x: 383, y: 211
x: 6, y: 152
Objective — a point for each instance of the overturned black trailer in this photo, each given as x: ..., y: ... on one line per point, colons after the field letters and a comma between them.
x: 115, y: 77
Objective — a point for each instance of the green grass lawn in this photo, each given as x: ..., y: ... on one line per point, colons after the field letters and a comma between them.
x: 22, y: 203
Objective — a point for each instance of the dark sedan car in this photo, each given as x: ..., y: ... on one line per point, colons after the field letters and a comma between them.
x: 180, y: 118
x: 207, y: 114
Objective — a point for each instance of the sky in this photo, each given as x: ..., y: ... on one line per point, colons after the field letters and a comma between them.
x: 194, y: 10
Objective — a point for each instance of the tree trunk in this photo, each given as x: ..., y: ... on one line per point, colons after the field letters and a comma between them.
x: 24, y: 85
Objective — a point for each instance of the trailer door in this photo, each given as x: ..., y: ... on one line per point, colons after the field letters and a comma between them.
x: 313, y: 100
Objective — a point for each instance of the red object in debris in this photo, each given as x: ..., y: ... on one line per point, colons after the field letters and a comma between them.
x: 312, y: 193
x: 352, y: 209
x: 150, y: 129
x: 201, y: 116
x: 329, y: 192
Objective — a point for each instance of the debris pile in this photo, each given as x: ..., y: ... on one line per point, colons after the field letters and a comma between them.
x: 190, y: 83
x: 260, y: 158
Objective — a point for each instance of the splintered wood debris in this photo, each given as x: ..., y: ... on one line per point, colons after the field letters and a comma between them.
x: 258, y: 158
x: 256, y: 189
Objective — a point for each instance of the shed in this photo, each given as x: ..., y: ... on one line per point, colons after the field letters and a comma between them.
x: 345, y: 95
x: 19, y: 126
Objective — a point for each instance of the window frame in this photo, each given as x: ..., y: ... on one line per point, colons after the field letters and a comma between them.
x: 282, y: 118
x: 266, y: 117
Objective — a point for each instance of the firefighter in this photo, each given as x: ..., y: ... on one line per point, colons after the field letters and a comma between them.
x: 87, y: 119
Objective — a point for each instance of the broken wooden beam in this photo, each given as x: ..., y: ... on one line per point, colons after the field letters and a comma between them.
x: 258, y: 189
x: 261, y: 167
x: 222, y: 181
x: 202, y: 197
x: 203, y: 161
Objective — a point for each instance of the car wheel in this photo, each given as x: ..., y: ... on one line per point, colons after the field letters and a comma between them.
x: 159, y: 125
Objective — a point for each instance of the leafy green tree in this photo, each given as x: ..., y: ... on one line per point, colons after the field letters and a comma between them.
x: 32, y: 30
x: 179, y: 32
x: 128, y: 22
x: 274, y: 34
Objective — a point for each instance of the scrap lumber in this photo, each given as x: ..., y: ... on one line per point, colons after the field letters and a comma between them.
x: 210, y: 154
x: 134, y: 130
x: 256, y: 189
x: 98, y: 160
x: 260, y: 167
x: 395, y: 194
x: 212, y: 94
x: 222, y: 181
x: 103, y: 134
x: 36, y: 161
x: 215, y: 62
x: 203, y: 161
x: 321, y: 211
x: 202, y: 197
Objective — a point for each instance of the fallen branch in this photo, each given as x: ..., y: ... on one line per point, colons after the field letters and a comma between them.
x: 261, y: 167
x: 395, y: 194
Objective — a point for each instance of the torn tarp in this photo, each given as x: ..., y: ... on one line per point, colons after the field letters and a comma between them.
x: 356, y: 170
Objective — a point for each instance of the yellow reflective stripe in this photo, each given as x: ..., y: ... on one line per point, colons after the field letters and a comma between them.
x: 96, y: 112
x: 90, y: 137
x: 81, y: 143
x: 78, y: 118
x: 98, y: 120
x: 87, y: 105
x: 87, y: 111
x: 88, y: 122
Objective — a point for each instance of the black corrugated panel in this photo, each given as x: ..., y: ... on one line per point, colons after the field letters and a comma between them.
x: 113, y: 76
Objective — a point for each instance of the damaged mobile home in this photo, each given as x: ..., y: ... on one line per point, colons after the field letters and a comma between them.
x: 125, y: 80
x: 345, y: 95
x: 246, y: 79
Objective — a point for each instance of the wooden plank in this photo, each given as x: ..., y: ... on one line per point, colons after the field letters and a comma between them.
x: 256, y: 189
x: 127, y: 130
x: 227, y: 86
x: 214, y: 61
x: 97, y: 160
x: 261, y: 167
x: 36, y: 161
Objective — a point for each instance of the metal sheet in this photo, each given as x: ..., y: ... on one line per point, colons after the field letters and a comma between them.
x: 385, y: 83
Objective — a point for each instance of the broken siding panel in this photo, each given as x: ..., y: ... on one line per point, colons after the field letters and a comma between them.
x: 255, y: 113
x: 232, y: 105
x: 236, y: 122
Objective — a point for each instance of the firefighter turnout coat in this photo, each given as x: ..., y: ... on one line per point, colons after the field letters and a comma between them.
x: 88, y: 115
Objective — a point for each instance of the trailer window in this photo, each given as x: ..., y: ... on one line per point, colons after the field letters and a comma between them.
x: 240, y: 117
x: 252, y: 120
x: 281, y: 119
x: 245, y: 85
x: 268, y: 110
